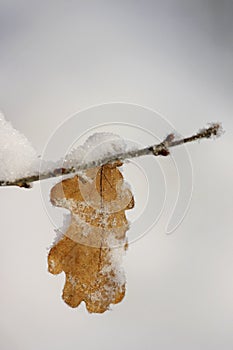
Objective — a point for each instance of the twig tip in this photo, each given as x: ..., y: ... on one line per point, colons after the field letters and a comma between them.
x: 213, y: 130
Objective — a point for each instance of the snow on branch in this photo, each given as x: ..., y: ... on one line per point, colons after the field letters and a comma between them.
x: 161, y: 149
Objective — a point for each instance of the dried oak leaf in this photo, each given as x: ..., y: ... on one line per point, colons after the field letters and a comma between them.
x: 91, y: 249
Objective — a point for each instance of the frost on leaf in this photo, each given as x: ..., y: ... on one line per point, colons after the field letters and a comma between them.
x: 90, y: 251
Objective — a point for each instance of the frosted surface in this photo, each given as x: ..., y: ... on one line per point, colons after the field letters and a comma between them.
x: 19, y: 159
x: 97, y: 146
x: 17, y: 156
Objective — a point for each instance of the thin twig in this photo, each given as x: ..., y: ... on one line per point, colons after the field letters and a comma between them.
x: 161, y: 149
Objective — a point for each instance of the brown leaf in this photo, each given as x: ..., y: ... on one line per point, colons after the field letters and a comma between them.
x: 90, y: 251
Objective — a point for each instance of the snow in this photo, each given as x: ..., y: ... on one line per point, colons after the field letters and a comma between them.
x: 97, y: 146
x: 17, y: 156
x: 19, y: 159
x: 60, y: 231
x: 116, y: 254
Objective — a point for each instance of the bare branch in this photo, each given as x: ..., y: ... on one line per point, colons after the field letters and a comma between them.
x: 161, y: 149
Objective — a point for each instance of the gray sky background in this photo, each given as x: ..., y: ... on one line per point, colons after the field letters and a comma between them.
x: 176, y: 57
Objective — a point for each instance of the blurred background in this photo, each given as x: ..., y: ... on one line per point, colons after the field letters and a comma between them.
x: 175, y: 57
